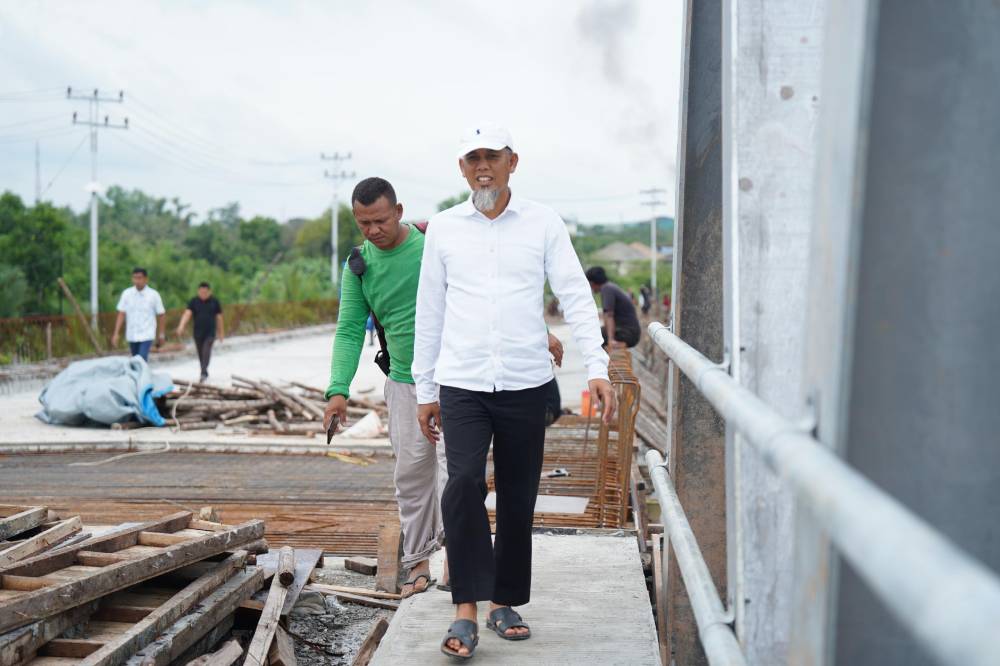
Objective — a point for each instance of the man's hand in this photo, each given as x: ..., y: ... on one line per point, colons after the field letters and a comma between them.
x: 160, y: 339
x: 335, y: 409
x: 616, y: 344
x: 220, y: 339
x: 429, y: 416
x: 601, y: 388
x: 179, y: 332
x: 114, y: 339
x: 556, y: 349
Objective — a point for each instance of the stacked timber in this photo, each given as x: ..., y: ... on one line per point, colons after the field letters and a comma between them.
x: 182, y: 589
x: 255, y: 406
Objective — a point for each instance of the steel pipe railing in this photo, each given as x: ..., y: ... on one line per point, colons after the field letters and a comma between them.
x: 717, y: 637
x: 945, y: 598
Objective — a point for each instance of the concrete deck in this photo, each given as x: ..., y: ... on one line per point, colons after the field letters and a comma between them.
x: 589, y: 606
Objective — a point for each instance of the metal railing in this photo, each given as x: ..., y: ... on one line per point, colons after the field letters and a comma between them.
x: 945, y: 598
x: 717, y: 637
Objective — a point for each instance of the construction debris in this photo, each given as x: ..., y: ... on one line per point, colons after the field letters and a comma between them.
x: 154, y: 593
x: 259, y: 407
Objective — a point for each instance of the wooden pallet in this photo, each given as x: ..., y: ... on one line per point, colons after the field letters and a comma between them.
x: 66, y: 577
x: 112, y: 629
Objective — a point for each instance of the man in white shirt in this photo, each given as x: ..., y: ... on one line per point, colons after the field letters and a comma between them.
x: 141, y: 309
x: 482, y: 346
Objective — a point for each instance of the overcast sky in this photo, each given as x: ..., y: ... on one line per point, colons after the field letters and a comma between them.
x: 234, y: 101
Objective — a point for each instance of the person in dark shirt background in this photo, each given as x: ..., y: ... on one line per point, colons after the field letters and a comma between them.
x: 621, y: 325
x: 207, y: 313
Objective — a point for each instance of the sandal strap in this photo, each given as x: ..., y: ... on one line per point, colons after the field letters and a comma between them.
x: 506, y: 618
x: 466, y: 631
x: 413, y: 581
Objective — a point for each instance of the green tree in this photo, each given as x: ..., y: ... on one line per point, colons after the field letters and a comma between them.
x: 452, y: 201
x: 13, y: 291
x: 27, y: 239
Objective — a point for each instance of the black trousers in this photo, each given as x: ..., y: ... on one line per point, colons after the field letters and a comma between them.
x: 480, y: 569
x: 204, y: 347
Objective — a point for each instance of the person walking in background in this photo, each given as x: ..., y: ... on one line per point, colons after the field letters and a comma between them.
x: 621, y: 325
x: 646, y: 295
x: 481, y: 343
x: 206, y: 311
x: 141, y: 309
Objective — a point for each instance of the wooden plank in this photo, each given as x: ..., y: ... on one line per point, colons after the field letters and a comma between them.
x: 42, y: 541
x: 154, y: 623
x: 21, y: 519
x: 282, y: 652
x: 260, y: 644
x: 69, y: 647
x: 26, y: 583
x: 366, y: 601
x: 100, y: 559
x: 65, y: 556
x: 389, y: 554
x: 214, y: 609
x: 370, y: 644
x: 55, y: 598
x: 362, y: 565
x: 334, y: 589
x: 18, y: 645
x: 306, y: 560
x: 207, y: 643
x: 227, y: 655
x: 638, y: 512
x: 161, y: 538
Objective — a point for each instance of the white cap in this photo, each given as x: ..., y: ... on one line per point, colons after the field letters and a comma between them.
x: 484, y: 135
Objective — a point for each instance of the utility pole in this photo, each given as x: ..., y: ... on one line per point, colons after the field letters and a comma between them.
x: 336, y: 177
x: 38, y: 174
x: 93, y: 121
x: 653, y: 202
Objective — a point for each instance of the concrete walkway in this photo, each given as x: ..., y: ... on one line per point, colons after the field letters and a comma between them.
x: 589, y: 606
x: 303, y: 358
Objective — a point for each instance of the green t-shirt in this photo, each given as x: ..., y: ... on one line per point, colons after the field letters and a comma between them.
x: 389, y: 289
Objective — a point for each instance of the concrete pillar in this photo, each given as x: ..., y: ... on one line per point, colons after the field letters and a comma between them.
x: 771, y: 77
x: 697, y: 447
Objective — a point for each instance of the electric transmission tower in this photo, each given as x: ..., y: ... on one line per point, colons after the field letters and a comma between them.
x: 336, y: 176
x: 94, y: 122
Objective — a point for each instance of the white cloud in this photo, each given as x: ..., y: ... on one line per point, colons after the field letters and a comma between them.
x: 392, y: 81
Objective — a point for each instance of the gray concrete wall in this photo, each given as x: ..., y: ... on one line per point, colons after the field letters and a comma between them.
x: 923, y: 421
x: 697, y: 449
x: 771, y: 98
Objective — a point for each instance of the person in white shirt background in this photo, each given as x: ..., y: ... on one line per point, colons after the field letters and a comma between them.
x: 481, y: 363
x: 140, y: 308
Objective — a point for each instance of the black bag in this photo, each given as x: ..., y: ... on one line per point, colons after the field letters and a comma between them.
x: 553, y: 402
x: 357, y: 265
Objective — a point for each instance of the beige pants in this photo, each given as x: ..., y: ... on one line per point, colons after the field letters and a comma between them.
x: 420, y: 475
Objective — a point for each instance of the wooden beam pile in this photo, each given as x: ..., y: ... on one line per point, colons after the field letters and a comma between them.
x: 255, y: 406
x: 29, y: 530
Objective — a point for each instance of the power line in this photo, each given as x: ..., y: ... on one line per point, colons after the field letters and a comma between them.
x: 63, y: 167
x: 336, y: 177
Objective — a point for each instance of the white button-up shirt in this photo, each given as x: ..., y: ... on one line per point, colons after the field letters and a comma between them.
x: 479, y: 322
x: 140, y: 308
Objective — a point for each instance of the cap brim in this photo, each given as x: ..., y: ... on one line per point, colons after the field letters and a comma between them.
x: 467, y: 148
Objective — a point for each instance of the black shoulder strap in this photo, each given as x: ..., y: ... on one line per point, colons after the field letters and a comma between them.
x: 356, y: 262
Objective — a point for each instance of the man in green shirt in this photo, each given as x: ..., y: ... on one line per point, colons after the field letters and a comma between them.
x: 391, y: 257
x: 387, y: 287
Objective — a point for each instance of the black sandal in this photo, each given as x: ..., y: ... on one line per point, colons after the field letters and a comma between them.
x: 413, y: 584
x: 467, y: 633
x: 505, y: 618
